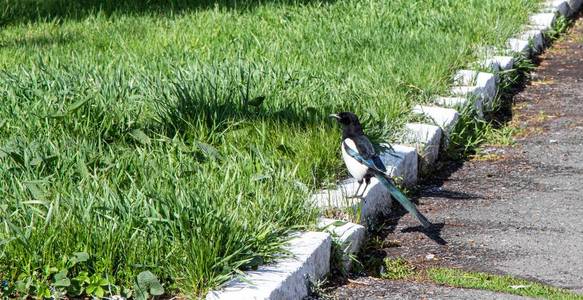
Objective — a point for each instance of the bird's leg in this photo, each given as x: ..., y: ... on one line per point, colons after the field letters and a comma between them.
x: 367, y: 182
x: 357, y: 189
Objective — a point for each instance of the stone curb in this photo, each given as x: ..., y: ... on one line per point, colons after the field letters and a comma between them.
x: 461, y: 103
x: 480, y: 86
x: 498, y: 63
x: 350, y: 236
x: 575, y: 5
x: 560, y: 7
x: 445, y: 118
x: 426, y: 139
x: 289, y: 278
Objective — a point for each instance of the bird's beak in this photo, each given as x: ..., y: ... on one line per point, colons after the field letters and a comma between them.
x: 335, y: 116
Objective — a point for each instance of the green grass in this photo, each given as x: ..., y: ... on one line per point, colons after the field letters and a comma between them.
x: 397, y: 268
x: 505, y: 284
x: 183, y: 138
x: 472, y: 133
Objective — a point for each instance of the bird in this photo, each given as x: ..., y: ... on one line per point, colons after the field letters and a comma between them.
x: 363, y: 163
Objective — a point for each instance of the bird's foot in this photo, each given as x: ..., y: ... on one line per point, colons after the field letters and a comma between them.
x: 358, y: 195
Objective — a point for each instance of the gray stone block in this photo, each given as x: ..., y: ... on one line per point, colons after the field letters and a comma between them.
x: 466, y: 91
x: 535, y: 38
x: 465, y: 77
x: 376, y: 203
x: 572, y: 12
x: 484, y: 88
x: 519, y: 46
x: 471, y: 92
x: 339, y: 197
x: 446, y: 118
x: 504, y: 62
x: 543, y: 21
x: 576, y: 5
x: 498, y: 63
x: 350, y: 235
x: 402, y: 164
x: 453, y: 102
x: 287, y: 278
x: 560, y: 7
x: 487, y: 82
x: 488, y: 51
x: 427, y: 139
x: 460, y: 103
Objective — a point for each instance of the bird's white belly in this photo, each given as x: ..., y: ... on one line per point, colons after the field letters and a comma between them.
x: 356, y: 169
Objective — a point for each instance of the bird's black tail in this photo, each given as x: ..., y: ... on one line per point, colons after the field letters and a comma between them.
x: 405, y: 202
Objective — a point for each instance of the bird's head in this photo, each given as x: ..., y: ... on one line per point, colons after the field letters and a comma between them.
x: 346, y: 118
x: 350, y: 123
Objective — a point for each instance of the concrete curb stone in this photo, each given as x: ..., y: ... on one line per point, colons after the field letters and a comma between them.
x: 351, y: 236
x: 427, y: 139
x: 288, y: 278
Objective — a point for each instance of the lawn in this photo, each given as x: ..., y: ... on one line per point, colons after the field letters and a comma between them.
x: 183, y: 137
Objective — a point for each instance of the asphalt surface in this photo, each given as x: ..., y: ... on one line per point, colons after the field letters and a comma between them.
x: 375, y: 289
x: 518, y: 212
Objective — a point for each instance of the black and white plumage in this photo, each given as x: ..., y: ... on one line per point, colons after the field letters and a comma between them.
x: 353, y: 138
x: 363, y: 163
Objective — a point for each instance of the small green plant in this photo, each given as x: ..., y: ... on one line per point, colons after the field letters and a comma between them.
x: 67, y: 280
x: 319, y: 289
x: 50, y: 281
x: 96, y: 285
x: 506, y: 284
x: 148, y: 285
x: 560, y: 26
x: 397, y: 268
x: 337, y: 263
x: 471, y: 133
x: 502, y: 136
x: 339, y: 258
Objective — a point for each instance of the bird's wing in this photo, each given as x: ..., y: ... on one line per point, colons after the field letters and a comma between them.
x: 372, y: 162
x: 366, y: 150
x: 387, y: 182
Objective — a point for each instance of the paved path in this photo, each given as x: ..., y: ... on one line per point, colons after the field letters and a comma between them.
x: 520, y: 213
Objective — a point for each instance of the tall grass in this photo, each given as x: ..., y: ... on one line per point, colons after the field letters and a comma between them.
x: 90, y: 164
x: 185, y: 140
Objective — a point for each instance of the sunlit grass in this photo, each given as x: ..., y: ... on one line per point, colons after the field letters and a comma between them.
x: 497, y: 283
x: 397, y: 268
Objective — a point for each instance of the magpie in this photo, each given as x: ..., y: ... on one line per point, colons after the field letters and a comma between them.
x: 363, y: 163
